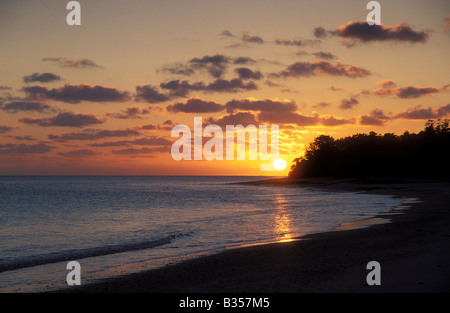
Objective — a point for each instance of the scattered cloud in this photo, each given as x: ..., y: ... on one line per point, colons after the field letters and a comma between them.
x: 347, y: 104
x: 80, y: 153
x: 447, y: 23
x: 77, y: 93
x: 95, y: 134
x: 419, y: 112
x: 324, y: 55
x: 41, y: 77
x: 246, y: 73
x: 297, y: 43
x: 146, y: 141
x: 333, y: 88
x: 266, y: 105
x: 195, y: 105
x: 24, y: 148
x: 27, y: 138
x: 26, y: 106
x: 64, y: 119
x: 140, y: 151
x: 300, y: 119
x: 409, y: 92
x: 363, y: 32
x: 3, y: 87
x: 4, y: 129
x: 321, y: 105
x: 182, y: 88
x: 386, y: 84
x: 78, y: 63
x: 239, y: 118
x: 320, y: 32
x: 133, y: 112
x: 215, y: 65
x: 226, y: 33
x: 150, y: 94
x: 246, y: 37
x: 318, y: 68
x: 375, y: 118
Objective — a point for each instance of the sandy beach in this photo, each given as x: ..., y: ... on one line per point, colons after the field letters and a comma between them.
x: 412, y: 245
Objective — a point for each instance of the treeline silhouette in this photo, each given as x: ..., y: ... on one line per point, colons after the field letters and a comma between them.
x: 410, y: 155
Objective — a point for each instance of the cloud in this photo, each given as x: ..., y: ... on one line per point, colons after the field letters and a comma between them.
x: 409, y: 92
x: 23, y: 137
x: 144, y: 150
x: 26, y: 106
x: 226, y: 33
x: 78, y: 153
x: 77, y: 93
x: 246, y: 73
x: 302, y: 120
x: 93, y: 134
x: 447, y: 22
x: 267, y: 105
x: 324, y: 55
x: 419, y: 113
x: 78, y: 63
x: 318, y: 68
x: 347, y: 104
x: 133, y: 112
x: 215, y: 65
x: 297, y: 43
x: 147, y: 141
x: 333, y: 88
x: 320, y: 32
x: 64, y: 119
x: 252, y: 39
x: 3, y: 87
x: 182, y: 88
x: 240, y: 118
x: 386, y: 83
x: 375, y: 118
x: 24, y: 148
x: 362, y: 31
x: 150, y: 94
x: 321, y: 105
x: 42, y: 78
x: 195, y: 105
x: 4, y: 129
x: 243, y: 60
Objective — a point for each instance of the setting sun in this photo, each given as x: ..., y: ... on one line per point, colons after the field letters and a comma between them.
x: 279, y: 164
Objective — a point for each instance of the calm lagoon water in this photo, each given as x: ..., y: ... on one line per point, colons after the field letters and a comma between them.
x: 120, y: 225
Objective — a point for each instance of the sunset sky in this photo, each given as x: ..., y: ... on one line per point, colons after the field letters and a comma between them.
x: 102, y: 98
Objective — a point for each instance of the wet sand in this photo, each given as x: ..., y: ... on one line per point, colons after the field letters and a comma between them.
x: 412, y: 245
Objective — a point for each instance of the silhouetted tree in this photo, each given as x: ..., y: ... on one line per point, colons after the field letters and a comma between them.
x: 425, y: 154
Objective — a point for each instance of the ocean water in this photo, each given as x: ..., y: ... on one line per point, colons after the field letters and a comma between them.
x: 119, y: 225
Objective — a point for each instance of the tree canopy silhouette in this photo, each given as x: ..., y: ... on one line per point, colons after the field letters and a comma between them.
x: 422, y: 155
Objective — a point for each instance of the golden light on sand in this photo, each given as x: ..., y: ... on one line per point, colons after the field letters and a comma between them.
x: 279, y: 164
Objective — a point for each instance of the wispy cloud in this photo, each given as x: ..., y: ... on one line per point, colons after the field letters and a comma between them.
x: 318, y: 68
x: 41, y: 77
x: 77, y: 63
x: 64, y: 119
x: 24, y: 148
x: 361, y: 31
x: 195, y: 105
x: 77, y: 93
x: 26, y: 106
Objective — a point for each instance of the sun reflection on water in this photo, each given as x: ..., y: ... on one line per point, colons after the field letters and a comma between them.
x: 282, y: 222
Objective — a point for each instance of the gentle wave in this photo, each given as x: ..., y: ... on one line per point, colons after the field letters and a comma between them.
x: 69, y: 255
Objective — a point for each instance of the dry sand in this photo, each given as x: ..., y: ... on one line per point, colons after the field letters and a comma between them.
x: 413, y: 251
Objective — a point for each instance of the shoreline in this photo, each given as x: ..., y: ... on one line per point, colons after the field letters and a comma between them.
x: 413, y: 249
